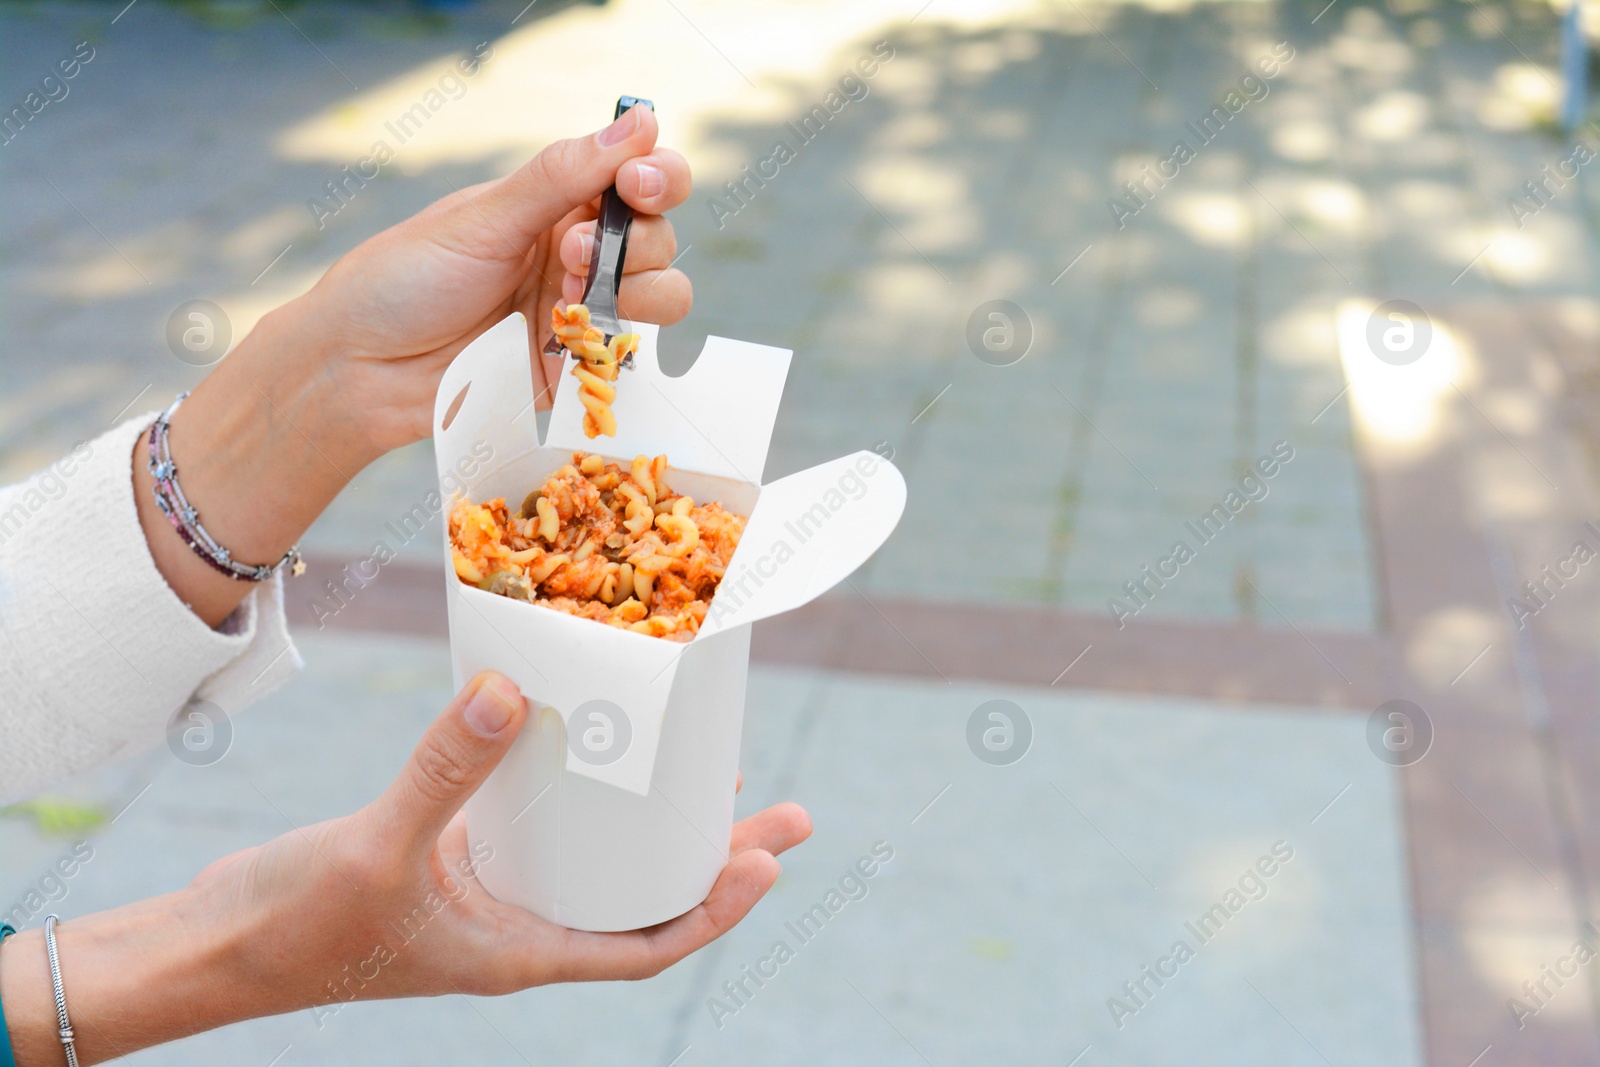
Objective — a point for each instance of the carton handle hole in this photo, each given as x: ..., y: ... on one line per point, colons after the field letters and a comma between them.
x: 455, y: 406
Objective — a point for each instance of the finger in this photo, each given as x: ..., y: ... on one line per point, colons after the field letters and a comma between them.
x: 453, y: 758
x: 562, y: 177
x: 738, y: 783
x: 651, y: 245
x: 775, y: 830
x: 659, y: 296
x: 656, y: 183
x: 743, y: 882
x: 588, y: 957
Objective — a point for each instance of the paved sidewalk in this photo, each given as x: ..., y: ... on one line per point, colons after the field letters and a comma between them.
x: 1018, y: 901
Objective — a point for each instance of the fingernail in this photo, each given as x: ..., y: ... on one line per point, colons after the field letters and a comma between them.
x: 619, y: 130
x: 651, y: 180
x: 585, y: 248
x: 492, y: 706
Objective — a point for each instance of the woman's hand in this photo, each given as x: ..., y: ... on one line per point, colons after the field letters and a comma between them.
x: 309, y: 920
x: 392, y: 313
x: 330, y: 381
x: 346, y: 884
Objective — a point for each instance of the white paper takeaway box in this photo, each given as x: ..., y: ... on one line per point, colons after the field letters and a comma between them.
x: 628, y: 825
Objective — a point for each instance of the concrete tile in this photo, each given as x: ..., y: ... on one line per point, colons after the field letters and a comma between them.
x: 951, y: 946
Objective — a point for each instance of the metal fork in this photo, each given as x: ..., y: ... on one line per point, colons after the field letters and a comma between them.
x: 605, y: 264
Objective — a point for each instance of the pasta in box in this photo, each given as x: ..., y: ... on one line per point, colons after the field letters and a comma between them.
x: 613, y: 809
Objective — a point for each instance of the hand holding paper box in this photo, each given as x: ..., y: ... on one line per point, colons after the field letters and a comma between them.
x: 613, y: 809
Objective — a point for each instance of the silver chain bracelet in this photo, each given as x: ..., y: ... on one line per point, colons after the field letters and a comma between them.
x: 186, y: 520
x: 65, y: 1030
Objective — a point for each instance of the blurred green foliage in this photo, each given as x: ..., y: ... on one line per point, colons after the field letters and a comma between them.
x: 57, y: 816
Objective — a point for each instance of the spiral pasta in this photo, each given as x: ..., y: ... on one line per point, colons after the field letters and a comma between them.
x: 598, y: 364
x: 601, y: 542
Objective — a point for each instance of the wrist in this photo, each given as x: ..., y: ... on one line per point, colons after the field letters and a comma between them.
x: 135, y: 976
x: 262, y: 446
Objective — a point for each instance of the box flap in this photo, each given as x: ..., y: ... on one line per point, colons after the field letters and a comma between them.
x: 716, y: 419
x: 808, y: 532
x: 595, y: 677
x: 498, y: 406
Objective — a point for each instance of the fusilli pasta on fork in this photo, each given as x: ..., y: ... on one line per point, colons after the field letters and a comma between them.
x: 597, y: 366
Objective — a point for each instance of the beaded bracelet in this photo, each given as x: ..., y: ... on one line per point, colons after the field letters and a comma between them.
x: 186, y: 520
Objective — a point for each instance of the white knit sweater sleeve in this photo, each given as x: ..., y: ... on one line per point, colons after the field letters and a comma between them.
x: 97, y: 653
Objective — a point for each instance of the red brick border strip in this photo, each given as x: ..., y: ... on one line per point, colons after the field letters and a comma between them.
x: 401, y: 598
x: 1044, y: 647
x: 1497, y: 844
x: 847, y: 630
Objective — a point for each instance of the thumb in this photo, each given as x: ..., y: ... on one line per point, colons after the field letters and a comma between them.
x: 565, y: 175
x: 454, y: 757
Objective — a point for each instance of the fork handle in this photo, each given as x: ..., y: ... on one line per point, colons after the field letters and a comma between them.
x: 610, y: 240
